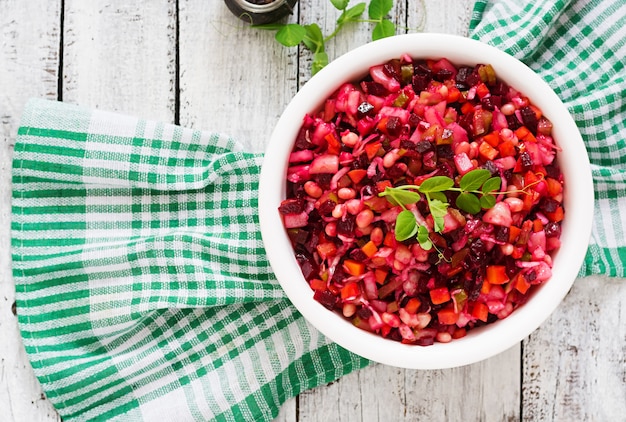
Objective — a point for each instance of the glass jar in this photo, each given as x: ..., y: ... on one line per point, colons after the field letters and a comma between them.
x: 258, y: 12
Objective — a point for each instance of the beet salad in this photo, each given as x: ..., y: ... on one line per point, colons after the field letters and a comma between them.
x: 424, y: 200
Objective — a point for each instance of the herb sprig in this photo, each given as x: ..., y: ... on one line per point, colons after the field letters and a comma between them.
x: 477, y: 190
x: 292, y: 34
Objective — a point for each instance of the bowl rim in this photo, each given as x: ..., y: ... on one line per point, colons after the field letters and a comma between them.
x: 576, y: 229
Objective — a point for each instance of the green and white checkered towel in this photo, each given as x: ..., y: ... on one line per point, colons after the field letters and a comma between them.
x: 579, y: 48
x: 143, y: 291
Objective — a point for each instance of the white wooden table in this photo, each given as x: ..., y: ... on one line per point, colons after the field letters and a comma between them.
x: 192, y: 63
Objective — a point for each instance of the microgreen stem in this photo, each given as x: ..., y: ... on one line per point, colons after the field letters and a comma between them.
x: 475, y: 183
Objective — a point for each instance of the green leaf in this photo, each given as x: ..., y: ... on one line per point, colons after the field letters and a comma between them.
x: 401, y: 196
x: 487, y: 201
x: 423, y: 238
x: 314, y: 40
x: 320, y: 59
x: 340, y: 4
x: 468, y: 202
x: 474, y: 179
x: 351, y: 14
x: 492, y: 184
x: 438, y: 210
x: 436, y: 184
x: 383, y: 29
x: 406, y: 225
x: 290, y: 35
x: 378, y: 9
x: 440, y: 196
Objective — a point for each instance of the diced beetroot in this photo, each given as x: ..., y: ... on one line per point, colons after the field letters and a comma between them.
x: 291, y: 206
x: 301, y: 156
x: 400, y: 113
x: 326, y: 298
x: 463, y: 163
x: 499, y: 215
x: 445, y: 64
x: 391, y: 319
x: 320, y: 133
x: 293, y: 221
x: 327, y: 163
x: 379, y: 75
x: 299, y: 173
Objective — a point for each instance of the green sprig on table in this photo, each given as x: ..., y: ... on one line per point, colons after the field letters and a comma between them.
x: 293, y: 34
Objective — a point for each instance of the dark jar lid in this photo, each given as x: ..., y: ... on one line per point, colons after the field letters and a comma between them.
x: 258, y: 12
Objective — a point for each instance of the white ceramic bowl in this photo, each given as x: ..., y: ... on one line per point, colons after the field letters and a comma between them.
x: 480, y: 343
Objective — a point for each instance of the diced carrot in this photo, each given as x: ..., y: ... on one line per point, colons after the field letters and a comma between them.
x: 334, y: 289
x: 440, y: 295
x: 496, y: 274
x: 357, y: 175
x: 537, y: 225
x: 467, y: 108
x: 385, y: 330
x: 518, y: 252
x: 507, y: 149
x: 317, y: 284
x: 538, y: 113
x: 447, y: 316
x: 482, y: 90
x: 334, y: 146
x: 390, y: 240
x: 458, y: 333
x: 372, y: 149
x: 353, y: 267
x: 529, y: 199
x: 412, y: 305
x: 521, y: 284
x: 326, y: 249
x: 521, y: 132
x: 492, y: 138
x: 514, y: 232
x: 453, y: 94
x: 380, y: 186
x: 487, y: 151
x: 530, y: 177
x: 485, y: 288
x: 382, y: 124
x: 554, y: 187
x: 380, y: 275
x: 540, y: 170
x: 556, y: 216
x: 369, y: 249
x: 350, y: 290
x: 480, y: 311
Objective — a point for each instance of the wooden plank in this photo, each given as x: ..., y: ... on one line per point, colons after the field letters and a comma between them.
x: 485, y: 391
x: 488, y: 391
x: 121, y: 56
x: 30, y: 34
x: 447, y: 16
x: 575, y: 364
x: 233, y: 79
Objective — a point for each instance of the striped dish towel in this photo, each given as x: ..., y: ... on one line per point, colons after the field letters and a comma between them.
x: 143, y: 290
x: 579, y: 48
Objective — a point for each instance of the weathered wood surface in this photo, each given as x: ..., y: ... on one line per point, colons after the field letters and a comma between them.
x: 29, y: 56
x: 191, y: 62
